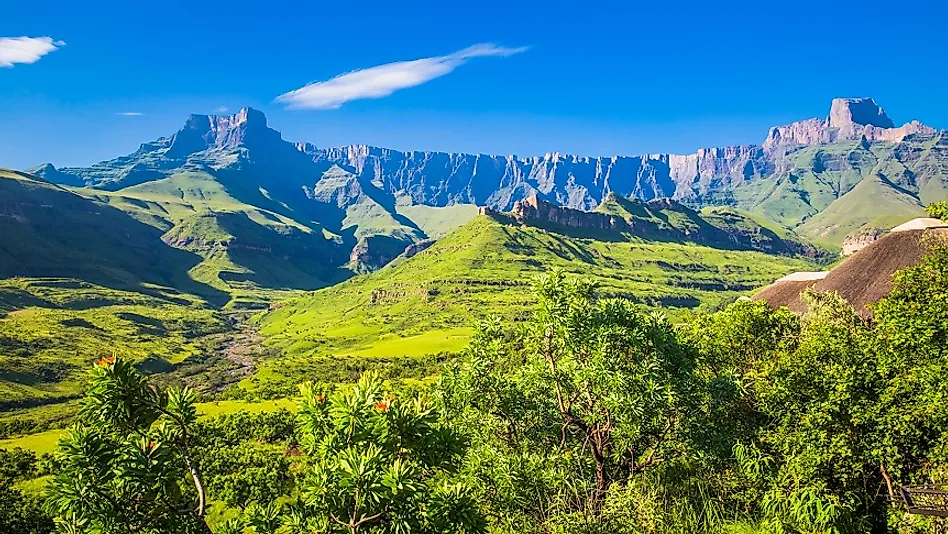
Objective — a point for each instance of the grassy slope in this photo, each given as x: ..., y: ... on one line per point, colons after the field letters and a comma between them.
x: 53, y: 329
x: 429, y: 302
x: 249, y: 252
x: 874, y: 202
x: 49, y: 231
x: 831, y: 191
x: 438, y: 222
x: 760, y: 220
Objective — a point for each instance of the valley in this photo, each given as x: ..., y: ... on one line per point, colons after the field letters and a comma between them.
x: 241, y: 265
x: 473, y: 268
x: 363, y: 258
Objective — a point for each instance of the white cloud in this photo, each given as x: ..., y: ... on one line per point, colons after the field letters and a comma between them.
x: 222, y: 109
x: 130, y: 113
x: 383, y: 80
x: 15, y: 50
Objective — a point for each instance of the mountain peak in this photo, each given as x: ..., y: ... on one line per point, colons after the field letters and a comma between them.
x: 242, y: 129
x: 863, y: 111
x: 849, y: 119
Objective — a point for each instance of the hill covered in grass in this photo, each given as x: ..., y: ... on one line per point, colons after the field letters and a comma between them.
x: 49, y: 231
x: 52, y: 329
x: 246, y: 250
x: 429, y: 302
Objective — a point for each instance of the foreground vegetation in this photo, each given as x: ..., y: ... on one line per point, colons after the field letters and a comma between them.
x: 595, y: 415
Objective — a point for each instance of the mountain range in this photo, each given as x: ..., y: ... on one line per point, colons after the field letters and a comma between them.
x: 406, y: 249
x: 814, y: 176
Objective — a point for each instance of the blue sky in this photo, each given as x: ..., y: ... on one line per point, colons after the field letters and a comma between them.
x: 590, y: 78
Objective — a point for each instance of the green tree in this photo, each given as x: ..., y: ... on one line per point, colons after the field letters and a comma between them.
x: 938, y: 210
x: 20, y: 513
x: 910, y: 345
x: 126, y: 466
x: 243, y: 456
x: 379, y: 463
x: 590, y: 393
x: 807, y: 458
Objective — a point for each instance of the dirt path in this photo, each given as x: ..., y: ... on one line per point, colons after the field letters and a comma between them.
x: 242, y: 347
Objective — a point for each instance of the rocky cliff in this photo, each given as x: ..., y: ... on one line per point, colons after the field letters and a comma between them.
x: 536, y: 211
x: 849, y: 119
x: 855, y: 242
x: 657, y: 220
x: 796, y: 173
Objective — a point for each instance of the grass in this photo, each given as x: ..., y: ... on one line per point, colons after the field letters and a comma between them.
x: 437, y: 222
x: 53, y: 329
x: 430, y: 302
x: 830, y: 191
x: 247, y: 251
x: 48, y: 440
x: 38, y: 443
x: 433, y: 342
x: 872, y: 203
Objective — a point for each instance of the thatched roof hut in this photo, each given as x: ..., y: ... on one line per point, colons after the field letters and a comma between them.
x: 866, y: 276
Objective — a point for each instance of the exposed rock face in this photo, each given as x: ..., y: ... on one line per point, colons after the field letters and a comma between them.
x: 374, y: 251
x: 441, y: 179
x: 415, y: 248
x: 864, y: 111
x: 247, y: 128
x: 849, y: 118
x: 531, y: 209
x: 856, y: 242
x: 328, y: 185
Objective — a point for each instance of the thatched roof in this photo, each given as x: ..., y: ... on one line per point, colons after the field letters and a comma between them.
x: 866, y: 276
x: 921, y: 223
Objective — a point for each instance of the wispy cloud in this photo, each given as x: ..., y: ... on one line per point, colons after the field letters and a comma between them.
x: 222, y: 109
x: 383, y: 80
x: 15, y: 50
x: 129, y: 113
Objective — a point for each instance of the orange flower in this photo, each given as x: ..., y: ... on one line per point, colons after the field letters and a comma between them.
x: 320, y: 398
x: 381, y: 407
x: 105, y: 361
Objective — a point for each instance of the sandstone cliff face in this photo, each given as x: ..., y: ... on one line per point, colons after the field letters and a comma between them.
x: 245, y: 128
x: 531, y: 209
x: 856, y: 242
x: 322, y: 184
x: 849, y: 119
x: 704, y: 177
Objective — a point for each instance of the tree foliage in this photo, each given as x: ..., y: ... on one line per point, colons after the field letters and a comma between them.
x: 591, y: 393
x: 126, y: 466
x: 938, y: 210
x: 596, y: 416
x: 377, y: 462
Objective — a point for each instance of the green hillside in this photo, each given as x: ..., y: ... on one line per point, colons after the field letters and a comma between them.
x: 873, y: 202
x: 51, y: 330
x: 429, y: 302
x: 827, y: 192
x: 49, y: 231
x: 246, y: 251
x: 718, y: 226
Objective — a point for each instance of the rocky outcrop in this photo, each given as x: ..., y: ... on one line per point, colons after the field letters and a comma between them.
x: 415, y: 248
x: 849, y: 119
x: 845, y: 112
x: 247, y: 128
x: 858, y: 241
x: 330, y: 185
x: 374, y: 251
x: 533, y: 210
x: 707, y: 176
